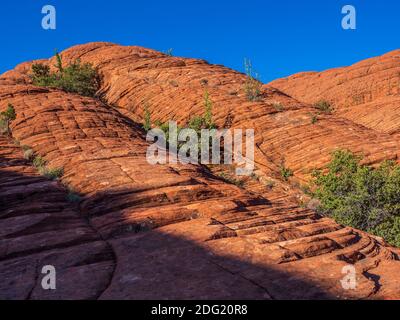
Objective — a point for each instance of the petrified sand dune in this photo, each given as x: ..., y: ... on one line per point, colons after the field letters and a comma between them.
x: 172, y: 231
x: 367, y: 93
x: 173, y: 87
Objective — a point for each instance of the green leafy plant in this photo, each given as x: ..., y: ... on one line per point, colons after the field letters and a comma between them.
x: 41, y: 75
x: 77, y: 77
x: 5, y: 119
x: 231, y: 180
x: 252, y: 86
x: 314, y: 119
x: 39, y: 162
x: 206, y: 120
x: 197, y: 123
x: 360, y: 196
x: 286, y: 173
x: 73, y: 197
x: 52, y: 173
x: 59, y: 65
x: 147, y: 118
x: 324, y: 106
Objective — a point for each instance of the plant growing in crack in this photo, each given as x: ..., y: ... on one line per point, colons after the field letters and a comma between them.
x: 252, y: 85
x: 5, y: 119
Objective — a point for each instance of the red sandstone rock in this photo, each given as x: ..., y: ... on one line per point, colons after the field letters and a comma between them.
x: 367, y: 93
x: 173, y: 231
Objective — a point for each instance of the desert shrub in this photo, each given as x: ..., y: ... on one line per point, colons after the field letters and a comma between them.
x: 5, y: 118
x: 28, y: 154
x: 278, y: 106
x: 39, y: 162
x: 205, y: 121
x: 41, y: 75
x: 314, y: 119
x: 324, y: 106
x: 231, y: 180
x: 197, y: 123
x: 147, y: 118
x: 73, y: 197
x: 270, y: 184
x: 252, y: 86
x: 164, y: 126
x: 59, y: 65
x: 77, y: 77
x: 4, y: 127
x: 286, y: 173
x: 52, y: 173
x: 360, y: 196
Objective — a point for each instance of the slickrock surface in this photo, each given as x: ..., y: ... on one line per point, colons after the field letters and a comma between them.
x: 173, y: 88
x: 172, y: 231
x: 368, y: 92
x: 40, y: 227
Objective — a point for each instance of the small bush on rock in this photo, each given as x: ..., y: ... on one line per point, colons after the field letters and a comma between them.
x: 77, y: 77
x: 5, y: 119
x: 286, y: 173
x: 360, y: 196
x: 252, y: 86
x: 324, y: 106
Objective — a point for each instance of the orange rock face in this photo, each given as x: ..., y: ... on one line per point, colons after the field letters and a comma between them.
x: 367, y: 93
x: 173, y: 231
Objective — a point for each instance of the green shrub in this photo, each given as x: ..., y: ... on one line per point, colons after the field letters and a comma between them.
x: 278, y: 106
x: 205, y: 121
x: 252, y: 86
x: 77, y: 77
x: 73, y: 197
x: 41, y: 75
x: 5, y: 118
x: 28, y: 154
x: 324, y: 106
x: 270, y: 184
x: 39, y: 162
x: 4, y: 127
x: 231, y: 180
x: 59, y: 65
x: 147, y: 118
x: 286, y: 173
x: 52, y: 173
x: 314, y: 119
x: 196, y: 123
x: 361, y: 196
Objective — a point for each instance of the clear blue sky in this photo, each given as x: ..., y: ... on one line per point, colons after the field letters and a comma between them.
x: 281, y: 37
